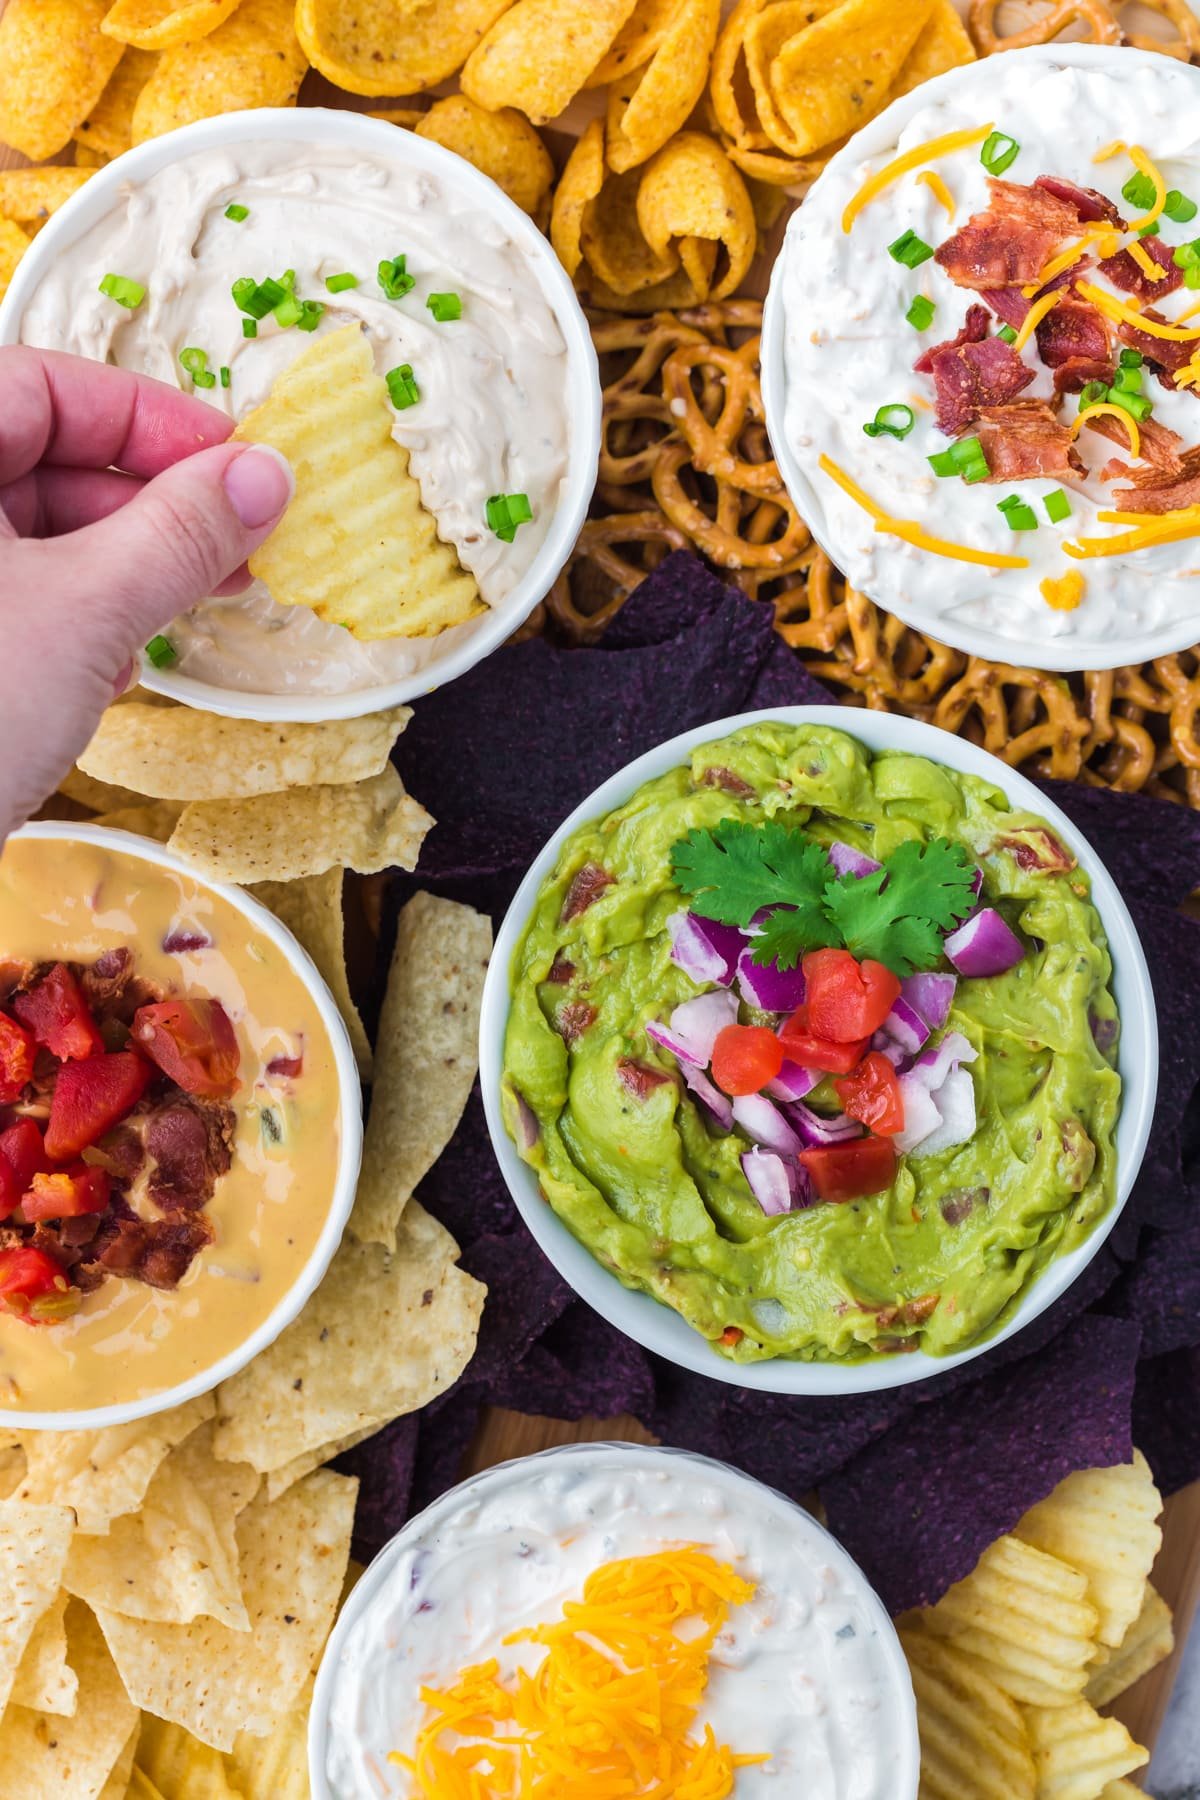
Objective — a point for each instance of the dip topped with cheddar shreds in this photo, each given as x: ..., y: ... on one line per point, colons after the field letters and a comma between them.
x: 991, y: 332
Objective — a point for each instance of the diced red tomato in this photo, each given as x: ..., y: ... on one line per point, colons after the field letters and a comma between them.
x: 802, y: 1046
x: 745, y: 1058
x: 67, y: 1193
x: 91, y: 1097
x: 849, y: 1171
x: 59, y: 1017
x: 847, y: 999
x: 29, y: 1279
x: 871, y: 1093
x: 192, y: 1041
x: 22, y: 1155
x: 17, y: 1051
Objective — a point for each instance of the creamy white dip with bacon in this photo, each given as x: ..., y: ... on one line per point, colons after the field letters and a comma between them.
x: 848, y: 350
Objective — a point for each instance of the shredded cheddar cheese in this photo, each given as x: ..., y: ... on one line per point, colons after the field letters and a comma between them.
x: 1123, y: 313
x: 607, y: 1712
x: 1065, y: 592
x: 1160, y: 528
x: 1189, y: 314
x: 1117, y: 412
x: 1150, y: 269
x: 939, y: 190
x: 1188, y: 375
x: 1034, y: 317
x: 911, y: 159
x: 1109, y: 150
x: 1102, y: 234
x: 911, y: 532
x: 1144, y: 166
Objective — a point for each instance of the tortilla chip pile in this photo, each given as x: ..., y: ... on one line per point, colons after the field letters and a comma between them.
x: 1057, y: 1619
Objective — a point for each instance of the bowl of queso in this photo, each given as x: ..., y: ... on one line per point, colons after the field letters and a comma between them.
x: 180, y: 1129
x: 819, y: 1061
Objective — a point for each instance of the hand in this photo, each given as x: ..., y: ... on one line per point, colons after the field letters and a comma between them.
x: 121, y: 505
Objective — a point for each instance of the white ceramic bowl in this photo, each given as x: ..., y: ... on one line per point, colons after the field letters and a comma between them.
x: 312, y: 128
x: 263, y: 924
x: 684, y: 1465
x: 1073, y: 649
x: 658, y: 1327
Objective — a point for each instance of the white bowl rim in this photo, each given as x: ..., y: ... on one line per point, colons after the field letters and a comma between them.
x: 265, y: 924
x: 873, y: 139
x: 380, y: 1568
x: 315, y: 126
x: 657, y: 1327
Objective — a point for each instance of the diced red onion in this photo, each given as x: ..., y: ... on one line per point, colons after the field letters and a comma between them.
x: 906, y: 1026
x: 704, y: 949
x: 955, y: 1101
x: 717, y: 1105
x: 985, y: 945
x: 772, y: 1180
x: 527, y: 1121
x: 769, y: 988
x: 792, y: 1082
x: 887, y: 1046
x: 695, y: 1026
x: 922, y: 1087
x: 815, y: 1132
x: 762, y: 1120
x: 662, y: 1035
x: 932, y: 995
x: 921, y: 1115
x: 179, y: 942
x: 932, y: 1067
x: 849, y: 861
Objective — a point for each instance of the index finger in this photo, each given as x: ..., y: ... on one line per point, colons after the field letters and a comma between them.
x: 74, y: 413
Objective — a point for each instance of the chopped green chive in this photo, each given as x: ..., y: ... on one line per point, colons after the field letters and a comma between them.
x: 1093, y: 394
x: 1057, y: 506
x: 893, y: 420
x: 196, y: 363
x: 965, y: 458
x: 161, y: 652
x: 444, y: 307
x: 249, y: 327
x: 505, y: 512
x: 337, y: 284
x: 999, y: 152
x: 402, y: 387
x: 124, y: 291
x: 1149, y: 230
x: 1177, y: 206
x: 237, y: 212
x: 394, y: 278
x: 258, y: 298
x: 1007, y: 333
x: 1138, y: 406
x: 909, y: 249
x: 1139, y: 190
x: 920, y: 313
x: 1187, y: 256
x: 1020, y: 516
x: 288, y: 312
x: 225, y: 376
x: 311, y: 313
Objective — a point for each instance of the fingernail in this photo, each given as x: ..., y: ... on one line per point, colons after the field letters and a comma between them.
x: 259, y: 483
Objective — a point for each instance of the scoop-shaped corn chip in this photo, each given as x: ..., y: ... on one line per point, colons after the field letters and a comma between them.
x: 1077, y: 1753
x: 54, y: 63
x: 943, y: 44
x: 31, y: 195
x: 86, y: 157
x: 665, y: 296
x: 692, y: 190
x: 355, y: 545
x: 773, y: 167
x: 407, y: 116
x: 382, y: 47
x: 837, y: 73
x: 613, y: 241
x: 636, y: 42
x: 578, y: 186
x: 974, y: 1743
x: 539, y: 54
x: 253, y: 59
x: 766, y: 34
x: 13, y: 245
x: 164, y: 24
x: 647, y: 106
x: 503, y: 144
x: 1103, y: 1522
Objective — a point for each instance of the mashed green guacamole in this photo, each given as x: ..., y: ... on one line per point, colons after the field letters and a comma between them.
x: 658, y: 1195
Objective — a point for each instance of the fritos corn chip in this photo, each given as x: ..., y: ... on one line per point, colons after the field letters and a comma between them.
x: 253, y: 59
x: 503, y: 144
x: 379, y: 47
x: 730, y: 94
x: 613, y: 241
x: 974, y: 1744
x: 355, y: 545
x: 165, y: 24
x: 13, y: 245
x: 108, y: 128
x: 648, y: 105
x: 636, y: 42
x: 87, y: 158
x: 1103, y: 1522
x: 691, y: 197
x: 539, y: 53
x: 575, y: 195
x: 1076, y: 1752
x: 1149, y: 1641
x: 30, y: 195
x: 408, y: 116
x: 836, y: 74
x: 54, y: 63
x: 766, y: 33
x: 943, y: 44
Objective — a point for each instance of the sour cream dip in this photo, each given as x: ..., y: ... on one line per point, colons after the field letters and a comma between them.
x: 809, y: 1670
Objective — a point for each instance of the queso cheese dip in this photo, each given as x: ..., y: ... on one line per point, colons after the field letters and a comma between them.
x: 75, y: 902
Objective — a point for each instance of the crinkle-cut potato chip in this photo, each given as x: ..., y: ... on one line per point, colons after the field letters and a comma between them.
x: 648, y: 105
x: 944, y: 43
x: 1026, y: 1616
x: 692, y: 190
x: 187, y: 755
x: 30, y: 195
x: 108, y: 128
x: 381, y: 1337
x: 312, y: 910
x: 34, y: 1541
x: 1076, y: 1752
x: 117, y: 1785
x: 364, y: 825
x: 1149, y: 1641
x: 503, y: 144
x: 176, y: 1558
x: 45, y: 1681
x: 613, y: 242
x: 355, y: 545
x: 1103, y: 1522
x: 426, y: 1056
x: 165, y: 24
x: 382, y: 47
x: 253, y: 59
x: 45, y: 1757
x: 837, y: 73
x: 216, y: 1682
x: 54, y: 63
x: 155, y: 819
x: 636, y: 42
x: 103, y: 1474
x: 178, y: 1766
x: 974, y: 1744
x: 579, y: 184
x: 539, y: 54
x: 13, y: 245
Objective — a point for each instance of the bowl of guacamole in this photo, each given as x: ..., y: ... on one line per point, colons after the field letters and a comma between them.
x: 819, y: 1059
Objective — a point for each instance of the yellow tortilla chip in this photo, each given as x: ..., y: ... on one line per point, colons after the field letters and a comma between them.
x: 276, y: 1767
x: 155, y: 819
x: 280, y: 1480
x: 45, y: 1680
x: 426, y: 1056
x: 1103, y: 1522
x: 44, y: 1755
x: 173, y: 1763
x: 12, y: 1467
x: 647, y: 106
x: 253, y: 59
x: 836, y: 74
x: 381, y: 1337
x: 34, y: 1541
x: 103, y: 1474
x: 356, y: 545
x: 636, y: 42
x: 691, y: 190
x: 974, y: 1743
x: 539, y: 54
x: 1076, y: 1752
x: 1149, y: 1641
x: 13, y: 245
x: 54, y: 63
x: 312, y: 911
x: 503, y: 144
x: 97, y: 796
x: 579, y: 184
x: 30, y: 195
x: 108, y: 129
x: 365, y: 825
x: 165, y: 24
x: 216, y: 1682
x: 377, y: 47
x: 944, y: 43
x: 117, y: 1785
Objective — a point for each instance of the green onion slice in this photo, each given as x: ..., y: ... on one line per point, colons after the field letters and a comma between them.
x: 288, y: 312
x: 910, y: 250
x: 402, y: 387
x: 1138, y: 406
x: 1130, y: 359
x: 337, y: 284
x: 1057, y: 506
x: 1092, y: 394
x: 1020, y: 515
x: 394, y: 278
x: 124, y: 290
x: 225, y: 376
x: 237, y: 212
x: 444, y: 307
x: 1007, y: 333
x: 920, y: 313
x: 893, y: 420
x: 1139, y: 190
x: 311, y: 313
x: 999, y: 152
x: 1149, y: 230
x: 505, y: 512
x: 1177, y: 206
x: 965, y: 458
x: 249, y: 327
x: 161, y: 652
x: 196, y: 364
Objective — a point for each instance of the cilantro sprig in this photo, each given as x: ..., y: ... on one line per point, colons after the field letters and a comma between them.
x: 775, y: 873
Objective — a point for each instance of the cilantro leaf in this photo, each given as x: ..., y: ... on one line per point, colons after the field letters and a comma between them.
x: 897, y: 916
x: 740, y: 869
x: 788, y: 933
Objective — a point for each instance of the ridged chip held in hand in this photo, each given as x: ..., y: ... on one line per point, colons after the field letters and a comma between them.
x: 1104, y: 1522
x: 974, y: 1744
x: 355, y: 545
